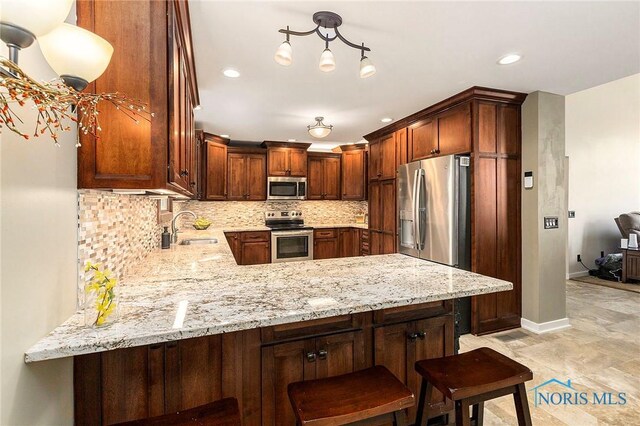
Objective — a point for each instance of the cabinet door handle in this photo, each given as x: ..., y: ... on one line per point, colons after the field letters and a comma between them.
x: 421, y: 335
x: 311, y: 357
x: 322, y: 354
x: 412, y: 336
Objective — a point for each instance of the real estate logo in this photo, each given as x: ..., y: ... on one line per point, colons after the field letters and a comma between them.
x: 556, y: 392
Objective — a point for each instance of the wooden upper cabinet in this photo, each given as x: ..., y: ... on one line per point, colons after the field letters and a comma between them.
x: 354, y: 180
x: 247, y: 177
x: 323, y: 176
x: 454, y: 130
x: 214, y: 172
x: 155, y: 155
x: 384, y: 156
x: 286, y: 159
x: 423, y: 139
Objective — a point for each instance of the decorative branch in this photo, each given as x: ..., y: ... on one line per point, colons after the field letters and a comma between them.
x: 56, y: 103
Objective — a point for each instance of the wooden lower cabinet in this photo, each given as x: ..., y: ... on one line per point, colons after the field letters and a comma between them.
x: 250, y: 248
x: 349, y: 240
x: 336, y: 242
x: 256, y: 366
x: 306, y: 359
x: 399, y: 346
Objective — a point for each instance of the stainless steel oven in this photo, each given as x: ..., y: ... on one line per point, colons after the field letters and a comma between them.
x: 286, y: 188
x: 291, y: 245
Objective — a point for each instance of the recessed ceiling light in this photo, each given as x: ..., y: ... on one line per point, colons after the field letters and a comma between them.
x: 386, y: 119
x: 231, y: 73
x: 509, y: 59
x: 291, y: 140
x: 224, y: 136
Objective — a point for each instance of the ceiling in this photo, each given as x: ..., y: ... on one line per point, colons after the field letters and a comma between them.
x: 423, y: 52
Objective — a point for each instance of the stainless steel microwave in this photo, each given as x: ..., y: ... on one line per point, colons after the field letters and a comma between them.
x: 287, y: 188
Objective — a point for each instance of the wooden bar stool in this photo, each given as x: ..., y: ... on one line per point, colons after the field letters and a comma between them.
x: 470, y: 379
x: 224, y: 412
x: 373, y: 393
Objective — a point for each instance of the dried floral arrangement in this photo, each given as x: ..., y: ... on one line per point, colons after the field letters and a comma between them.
x: 57, y: 103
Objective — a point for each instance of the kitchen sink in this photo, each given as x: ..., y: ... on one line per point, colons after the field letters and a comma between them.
x: 192, y: 241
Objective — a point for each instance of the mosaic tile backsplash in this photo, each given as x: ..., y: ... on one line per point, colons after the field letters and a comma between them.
x: 115, y: 230
x: 251, y: 213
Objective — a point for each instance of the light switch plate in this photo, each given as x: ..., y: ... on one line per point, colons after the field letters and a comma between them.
x: 572, y: 214
x: 528, y: 180
x: 550, y: 222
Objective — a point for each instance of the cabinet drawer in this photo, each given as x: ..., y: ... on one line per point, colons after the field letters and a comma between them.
x: 325, y: 233
x: 311, y: 328
x: 255, y: 236
x: 412, y: 312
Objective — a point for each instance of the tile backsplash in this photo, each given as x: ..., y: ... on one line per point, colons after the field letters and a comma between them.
x: 115, y: 230
x: 251, y: 213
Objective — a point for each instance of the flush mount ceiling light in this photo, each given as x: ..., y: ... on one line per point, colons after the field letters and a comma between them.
x: 231, y: 73
x: 386, y: 119
x: 327, y: 21
x: 509, y: 59
x: 78, y: 56
x: 319, y: 130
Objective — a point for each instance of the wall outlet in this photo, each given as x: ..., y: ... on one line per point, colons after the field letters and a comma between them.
x: 579, y: 258
x: 572, y: 214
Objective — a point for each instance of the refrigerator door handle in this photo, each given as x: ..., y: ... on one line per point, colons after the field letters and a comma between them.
x: 419, y: 210
x: 416, y: 205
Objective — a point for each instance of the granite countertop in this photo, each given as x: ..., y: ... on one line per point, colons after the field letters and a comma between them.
x: 222, y: 296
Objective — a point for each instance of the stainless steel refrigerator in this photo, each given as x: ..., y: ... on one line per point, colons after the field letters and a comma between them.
x: 434, y: 216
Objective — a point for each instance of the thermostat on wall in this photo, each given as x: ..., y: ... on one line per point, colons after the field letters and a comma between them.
x: 528, y: 180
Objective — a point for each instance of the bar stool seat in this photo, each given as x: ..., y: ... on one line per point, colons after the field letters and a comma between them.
x: 223, y: 412
x: 364, y: 394
x: 471, y: 378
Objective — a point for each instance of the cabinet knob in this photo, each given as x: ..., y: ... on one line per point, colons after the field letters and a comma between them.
x: 192, y: 184
x: 322, y: 354
x: 421, y: 335
x: 311, y: 357
x: 412, y: 336
x: 184, y: 173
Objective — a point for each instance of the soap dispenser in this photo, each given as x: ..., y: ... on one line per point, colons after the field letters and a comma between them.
x: 166, y: 238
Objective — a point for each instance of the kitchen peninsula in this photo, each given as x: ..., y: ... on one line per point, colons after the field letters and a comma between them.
x: 248, y: 331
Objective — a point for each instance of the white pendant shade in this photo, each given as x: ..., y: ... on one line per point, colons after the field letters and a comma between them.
x: 36, y: 16
x: 76, y: 52
x: 367, y: 69
x: 319, y: 130
x: 327, y: 62
x: 284, y: 54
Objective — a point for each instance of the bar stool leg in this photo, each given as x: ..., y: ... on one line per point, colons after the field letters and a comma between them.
x: 477, y: 415
x: 426, y: 390
x: 522, y: 405
x: 462, y: 413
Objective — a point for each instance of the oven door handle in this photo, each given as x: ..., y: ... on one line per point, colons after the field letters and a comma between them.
x: 291, y: 233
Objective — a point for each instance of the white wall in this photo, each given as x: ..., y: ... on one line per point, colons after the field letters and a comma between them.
x: 603, y: 145
x: 38, y: 250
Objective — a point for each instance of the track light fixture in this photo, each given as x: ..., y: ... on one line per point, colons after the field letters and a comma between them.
x: 328, y: 21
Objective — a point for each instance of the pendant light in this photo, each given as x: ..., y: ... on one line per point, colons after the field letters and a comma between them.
x: 326, y: 20
x: 319, y: 130
x: 327, y: 61
x: 78, y: 56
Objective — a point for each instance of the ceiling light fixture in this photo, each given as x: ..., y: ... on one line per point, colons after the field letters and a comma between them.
x: 224, y: 136
x: 319, y: 130
x: 509, y: 59
x: 231, y: 73
x: 386, y: 119
x: 331, y: 21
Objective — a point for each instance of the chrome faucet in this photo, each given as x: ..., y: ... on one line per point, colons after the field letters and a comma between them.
x: 174, y: 230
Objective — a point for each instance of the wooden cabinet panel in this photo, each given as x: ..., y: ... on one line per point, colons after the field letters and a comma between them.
x: 247, y: 176
x: 193, y: 374
x: 388, y: 158
x: 233, y: 238
x: 283, y: 364
x: 388, y: 206
x: 454, y: 130
x: 315, y: 188
x: 255, y: 253
x: 375, y: 213
x: 128, y: 384
x: 402, y: 146
x: 278, y: 161
x: 374, y: 159
x: 423, y: 139
x: 349, y: 242
x: 375, y: 242
x: 215, y: 171
x: 354, y: 179
x: 509, y: 129
x: 340, y: 353
x: 382, y: 216
x: 297, y: 162
x: 256, y: 177
x: 237, y: 180
x: 331, y: 178
x: 325, y: 248
x: 487, y: 141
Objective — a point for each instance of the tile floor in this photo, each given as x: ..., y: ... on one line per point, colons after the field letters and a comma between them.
x: 600, y: 352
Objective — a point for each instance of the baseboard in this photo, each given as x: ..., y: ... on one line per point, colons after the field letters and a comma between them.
x: 578, y: 274
x: 545, y: 327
